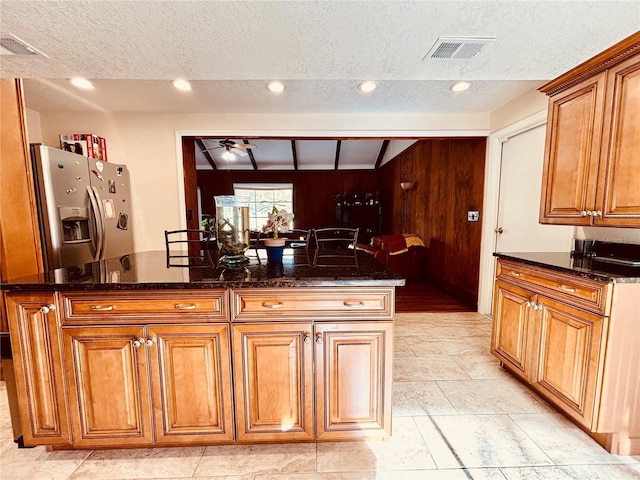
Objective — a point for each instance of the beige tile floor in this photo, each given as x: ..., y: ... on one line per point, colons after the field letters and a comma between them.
x: 456, y: 416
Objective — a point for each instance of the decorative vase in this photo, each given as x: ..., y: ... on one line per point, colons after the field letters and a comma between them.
x: 232, y: 214
x: 275, y: 247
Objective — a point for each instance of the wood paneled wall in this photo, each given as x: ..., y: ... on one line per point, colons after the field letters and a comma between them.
x: 448, y: 176
x: 314, y: 191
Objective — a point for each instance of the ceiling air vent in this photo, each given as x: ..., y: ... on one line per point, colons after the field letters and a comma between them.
x: 457, y: 47
x: 12, y: 45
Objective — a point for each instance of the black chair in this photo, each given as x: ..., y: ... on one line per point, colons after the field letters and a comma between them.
x: 189, y: 247
x: 335, y: 246
x: 296, y: 238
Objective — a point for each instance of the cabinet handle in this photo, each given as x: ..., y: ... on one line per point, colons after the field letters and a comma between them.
x: 137, y: 343
x: 514, y: 274
x: 565, y: 288
x: 150, y: 342
x: 48, y: 308
x: 319, y: 339
x: 182, y: 306
x: 272, y: 305
x: 101, y: 308
x: 348, y: 303
x: 307, y: 339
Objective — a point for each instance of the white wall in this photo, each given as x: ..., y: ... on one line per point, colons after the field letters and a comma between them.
x: 146, y: 143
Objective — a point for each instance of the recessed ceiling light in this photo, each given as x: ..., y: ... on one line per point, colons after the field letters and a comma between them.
x: 368, y: 86
x: 460, y: 86
x: 275, y: 87
x: 80, y: 82
x: 182, y: 85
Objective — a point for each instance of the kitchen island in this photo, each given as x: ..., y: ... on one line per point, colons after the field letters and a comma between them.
x: 135, y: 352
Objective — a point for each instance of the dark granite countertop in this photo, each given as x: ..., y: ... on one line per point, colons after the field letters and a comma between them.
x: 580, y: 266
x: 149, y: 270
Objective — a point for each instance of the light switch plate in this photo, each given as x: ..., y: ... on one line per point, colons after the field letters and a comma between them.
x: 473, y: 216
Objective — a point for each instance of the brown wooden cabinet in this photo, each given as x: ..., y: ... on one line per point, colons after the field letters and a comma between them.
x: 279, y: 397
x: 314, y: 378
x: 34, y: 328
x: 593, y: 131
x: 180, y: 367
x: 574, y: 341
x: 139, y: 385
x: 511, y: 334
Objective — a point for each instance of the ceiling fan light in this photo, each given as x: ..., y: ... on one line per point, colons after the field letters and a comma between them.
x: 460, y: 86
x: 181, y: 85
x: 367, y: 86
x: 275, y: 87
x: 82, y: 83
x: 227, y: 155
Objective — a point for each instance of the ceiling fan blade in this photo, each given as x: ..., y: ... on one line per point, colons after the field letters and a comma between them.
x: 212, y: 148
x: 237, y: 151
x: 244, y: 145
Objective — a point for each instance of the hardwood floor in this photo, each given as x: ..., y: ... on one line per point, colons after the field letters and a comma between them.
x: 424, y: 296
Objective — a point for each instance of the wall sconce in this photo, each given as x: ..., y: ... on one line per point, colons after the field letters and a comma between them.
x: 406, y: 186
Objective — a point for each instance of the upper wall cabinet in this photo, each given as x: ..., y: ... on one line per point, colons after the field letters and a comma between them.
x: 592, y: 152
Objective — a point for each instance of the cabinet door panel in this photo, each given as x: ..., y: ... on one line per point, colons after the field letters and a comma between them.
x: 110, y: 404
x: 38, y: 367
x: 567, y: 358
x: 571, y: 153
x: 354, y: 380
x: 274, y: 381
x: 192, y: 383
x: 620, y: 148
x: 512, y: 317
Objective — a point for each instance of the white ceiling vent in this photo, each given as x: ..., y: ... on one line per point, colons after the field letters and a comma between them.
x: 457, y: 47
x: 12, y: 45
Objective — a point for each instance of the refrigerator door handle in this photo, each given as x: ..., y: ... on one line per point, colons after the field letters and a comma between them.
x: 97, y: 217
x: 103, y: 236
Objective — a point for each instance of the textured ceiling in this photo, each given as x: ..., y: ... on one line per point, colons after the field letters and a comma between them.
x: 320, y: 49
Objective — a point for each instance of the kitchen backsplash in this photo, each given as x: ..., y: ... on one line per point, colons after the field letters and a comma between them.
x: 605, y: 234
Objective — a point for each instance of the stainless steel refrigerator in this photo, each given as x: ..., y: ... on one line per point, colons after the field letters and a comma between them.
x: 84, y: 207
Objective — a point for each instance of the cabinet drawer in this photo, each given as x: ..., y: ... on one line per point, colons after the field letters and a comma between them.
x: 313, y: 303
x: 148, y: 307
x: 574, y: 290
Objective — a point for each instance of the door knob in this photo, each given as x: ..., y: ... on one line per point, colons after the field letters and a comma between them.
x: 499, y: 230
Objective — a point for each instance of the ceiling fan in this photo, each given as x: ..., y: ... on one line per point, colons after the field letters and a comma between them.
x: 232, y: 148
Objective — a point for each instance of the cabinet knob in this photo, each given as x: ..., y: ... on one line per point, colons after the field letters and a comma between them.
x: 150, y: 342
x: 47, y: 308
x: 584, y: 213
x: 529, y: 303
x: 138, y: 343
x: 499, y: 230
x: 597, y: 213
x: 307, y: 339
x: 319, y: 339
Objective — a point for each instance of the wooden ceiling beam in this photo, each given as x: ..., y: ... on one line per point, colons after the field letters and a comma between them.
x: 251, y: 157
x: 337, y: 154
x: 206, y: 154
x: 383, y: 149
x: 294, y: 153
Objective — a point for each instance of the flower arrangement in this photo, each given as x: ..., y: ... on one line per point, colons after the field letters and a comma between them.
x: 279, y: 222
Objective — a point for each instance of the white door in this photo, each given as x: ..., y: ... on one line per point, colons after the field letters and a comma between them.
x: 519, y: 199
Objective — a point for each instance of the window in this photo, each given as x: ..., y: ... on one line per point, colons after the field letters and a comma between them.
x: 262, y: 198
